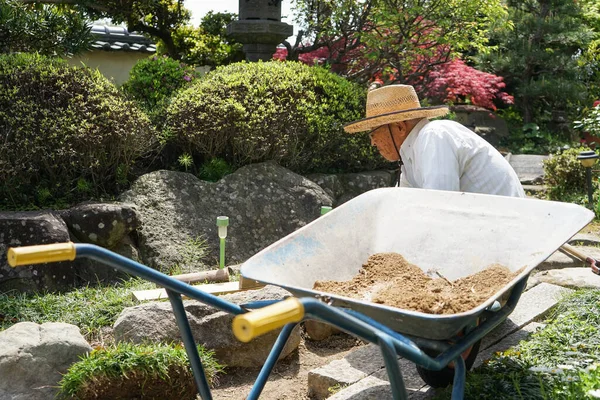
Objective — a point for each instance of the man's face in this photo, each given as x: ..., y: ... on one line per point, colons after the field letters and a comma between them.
x: 382, y: 139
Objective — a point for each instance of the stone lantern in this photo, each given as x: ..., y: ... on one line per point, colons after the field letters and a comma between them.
x: 259, y: 28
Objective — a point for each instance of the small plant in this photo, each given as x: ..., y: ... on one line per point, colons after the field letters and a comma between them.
x: 130, y: 371
x: 83, y: 186
x: 186, y: 161
x: 335, y: 388
x: 214, y: 170
x: 192, y: 256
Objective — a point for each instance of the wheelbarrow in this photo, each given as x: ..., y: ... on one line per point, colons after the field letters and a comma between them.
x: 456, y: 233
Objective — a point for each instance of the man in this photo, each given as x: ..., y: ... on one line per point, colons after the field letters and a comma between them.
x: 442, y: 154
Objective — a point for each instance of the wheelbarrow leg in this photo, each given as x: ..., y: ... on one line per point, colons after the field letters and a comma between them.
x: 190, y: 345
x: 390, y: 358
x: 460, y: 375
x: 263, y: 376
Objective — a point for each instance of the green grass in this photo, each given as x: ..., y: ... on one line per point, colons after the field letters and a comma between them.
x: 136, y: 371
x: 561, y: 361
x: 90, y: 308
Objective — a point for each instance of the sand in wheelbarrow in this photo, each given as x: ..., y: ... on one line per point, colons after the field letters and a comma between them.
x: 387, y: 278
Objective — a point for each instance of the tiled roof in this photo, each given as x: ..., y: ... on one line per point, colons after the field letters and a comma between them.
x: 117, y: 38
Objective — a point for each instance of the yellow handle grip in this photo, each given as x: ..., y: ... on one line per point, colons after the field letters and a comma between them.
x: 43, y: 253
x: 258, y: 322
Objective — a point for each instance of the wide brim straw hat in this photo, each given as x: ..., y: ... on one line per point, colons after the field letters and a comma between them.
x: 393, y: 103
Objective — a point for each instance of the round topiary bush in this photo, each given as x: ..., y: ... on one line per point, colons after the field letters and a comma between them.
x: 284, y: 111
x: 67, y: 133
x: 154, y: 79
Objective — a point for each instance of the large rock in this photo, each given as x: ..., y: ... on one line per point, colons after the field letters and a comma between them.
x: 30, y: 228
x: 343, y: 187
x: 104, y: 224
x: 33, y: 358
x: 264, y: 202
x: 155, y: 322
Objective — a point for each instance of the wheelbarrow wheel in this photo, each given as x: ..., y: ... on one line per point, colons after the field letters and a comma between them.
x: 444, y: 377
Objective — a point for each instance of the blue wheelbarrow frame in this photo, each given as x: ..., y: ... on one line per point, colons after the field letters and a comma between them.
x: 392, y: 344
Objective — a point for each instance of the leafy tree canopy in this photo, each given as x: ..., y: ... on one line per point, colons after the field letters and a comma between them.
x: 400, y: 40
x: 542, y: 58
x: 157, y: 18
x: 46, y: 29
x: 207, y: 44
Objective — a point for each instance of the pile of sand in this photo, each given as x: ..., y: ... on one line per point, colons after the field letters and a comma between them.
x: 387, y: 278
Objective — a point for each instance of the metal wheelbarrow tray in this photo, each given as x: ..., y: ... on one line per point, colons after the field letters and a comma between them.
x: 458, y: 234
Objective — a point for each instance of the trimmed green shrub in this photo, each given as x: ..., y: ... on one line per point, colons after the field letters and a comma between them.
x: 129, y: 371
x: 565, y: 176
x: 67, y: 133
x: 289, y: 112
x: 155, y: 79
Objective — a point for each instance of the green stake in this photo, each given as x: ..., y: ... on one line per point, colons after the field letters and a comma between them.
x: 222, y: 223
x: 325, y: 209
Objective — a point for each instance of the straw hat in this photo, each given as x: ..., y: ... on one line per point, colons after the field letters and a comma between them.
x: 393, y: 103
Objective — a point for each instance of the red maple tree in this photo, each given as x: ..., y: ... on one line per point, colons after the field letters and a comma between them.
x: 457, y: 82
x: 448, y: 81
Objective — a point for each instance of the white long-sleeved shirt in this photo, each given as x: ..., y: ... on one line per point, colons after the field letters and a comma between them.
x: 445, y: 155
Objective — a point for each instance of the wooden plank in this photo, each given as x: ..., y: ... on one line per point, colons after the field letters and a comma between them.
x: 246, y: 284
x: 212, y: 288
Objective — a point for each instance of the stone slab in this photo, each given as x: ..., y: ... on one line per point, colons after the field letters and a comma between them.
x: 412, y: 380
x: 533, y: 305
x: 529, y: 168
x: 560, y: 260
x: 370, y: 388
x: 577, y: 278
x: 355, y: 366
x: 377, y: 385
x: 508, y: 342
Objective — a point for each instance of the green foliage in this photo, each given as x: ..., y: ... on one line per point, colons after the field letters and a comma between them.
x: 90, y: 308
x: 561, y: 361
x: 215, y: 169
x: 186, y: 161
x: 129, y: 371
x: 564, y: 175
x: 155, y: 79
x: 207, y: 45
x: 284, y: 111
x: 405, y: 38
x: 67, y: 132
x: 539, y: 60
x: 590, y: 121
x: 192, y: 256
x: 46, y: 29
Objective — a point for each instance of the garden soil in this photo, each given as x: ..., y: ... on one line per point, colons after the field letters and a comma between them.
x: 387, y: 278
